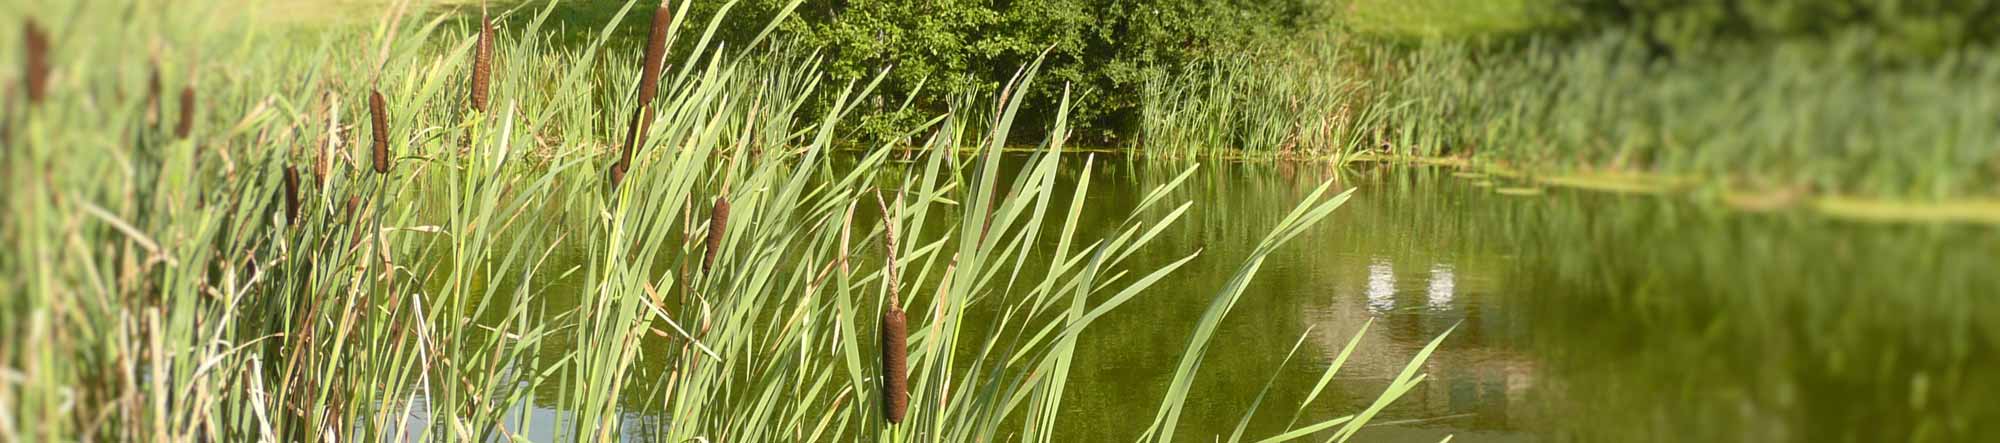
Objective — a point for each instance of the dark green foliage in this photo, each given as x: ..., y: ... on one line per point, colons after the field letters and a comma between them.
x: 941, y: 49
x: 1899, y: 29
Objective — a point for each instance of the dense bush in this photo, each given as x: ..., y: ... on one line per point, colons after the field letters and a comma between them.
x: 1105, y: 49
x: 1894, y: 29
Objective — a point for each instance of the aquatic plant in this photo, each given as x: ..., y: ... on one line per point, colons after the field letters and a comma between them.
x: 649, y: 86
x: 291, y: 195
x: 482, y: 65
x: 185, y: 127
x: 35, y: 61
x: 718, y: 226
x: 895, y: 325
x: 378, y: 116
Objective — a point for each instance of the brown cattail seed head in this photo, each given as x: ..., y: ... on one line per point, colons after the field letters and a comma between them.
x: 36, y: 46
x: 482, y: 65
x: 656, y: 55
x: 649, y: 86
x: 378, y: 111
x: 153, y: 92
x: 718, y: 224
x: 895, y: 364
x: 617, y: 173
x: 291, y: 195
x: 186, y: 125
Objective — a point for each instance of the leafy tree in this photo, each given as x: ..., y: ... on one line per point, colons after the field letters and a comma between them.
x: 1104, y: 49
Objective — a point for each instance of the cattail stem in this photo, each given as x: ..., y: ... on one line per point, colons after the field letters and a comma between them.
x: 482, y: 65
x: 718, y: 224
x: 378, y: 111
x: 36, y: 46
x: 186, y: 125
x: 649, y: 86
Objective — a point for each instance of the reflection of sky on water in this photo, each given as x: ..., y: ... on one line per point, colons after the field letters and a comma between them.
x: 1439, y: 294
x: 526, y: 420
x: 1381, y: 285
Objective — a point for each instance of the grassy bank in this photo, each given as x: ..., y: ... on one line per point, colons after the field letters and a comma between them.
x: 243, y: 234
x: 1844, y: 114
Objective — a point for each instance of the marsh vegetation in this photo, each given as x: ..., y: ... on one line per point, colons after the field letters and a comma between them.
x: 760, y: 221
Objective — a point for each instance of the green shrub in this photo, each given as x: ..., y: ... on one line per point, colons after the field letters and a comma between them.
x: 1899, y: 29
x: 1105, y: 50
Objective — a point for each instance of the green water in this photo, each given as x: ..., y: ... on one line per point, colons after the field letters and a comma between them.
x: 1580, y: 316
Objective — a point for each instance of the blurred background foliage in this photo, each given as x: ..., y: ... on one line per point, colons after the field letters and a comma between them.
x: 1900, y: 30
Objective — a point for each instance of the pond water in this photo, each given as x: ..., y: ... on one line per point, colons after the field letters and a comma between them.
x: 1580, y: 316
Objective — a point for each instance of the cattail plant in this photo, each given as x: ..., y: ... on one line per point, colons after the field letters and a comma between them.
x: 153, y: 91
x: 482, y: 64
x: 718, y: 223
x: 649, y: 86
x: 36, y: 46
x: 378, y: 111
x: 186, y: 124
x: 895, y: 330
x: 291, y: 195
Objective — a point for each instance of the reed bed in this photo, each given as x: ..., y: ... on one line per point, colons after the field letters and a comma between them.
x: 1815, y: 118
x: 160, y: 301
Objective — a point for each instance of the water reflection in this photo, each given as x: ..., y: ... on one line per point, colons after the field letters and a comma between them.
x: 1381, y: 286
x: 1439, y: 294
